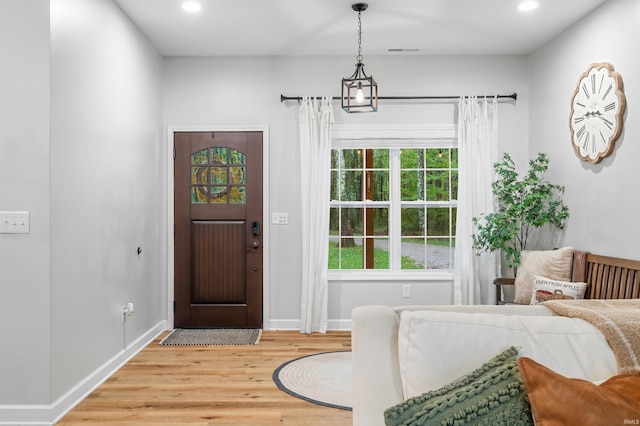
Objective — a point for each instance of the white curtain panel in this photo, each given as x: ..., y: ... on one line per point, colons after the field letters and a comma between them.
x: 477, y: 152
x: 315, y: 120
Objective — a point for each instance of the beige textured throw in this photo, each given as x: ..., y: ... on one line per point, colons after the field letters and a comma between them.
x: 617, y: 319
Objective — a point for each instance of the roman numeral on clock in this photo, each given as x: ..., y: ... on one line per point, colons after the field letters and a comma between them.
x: 586, y: 92
x: 603, y: 139
x: 609, y: 107
x: 607, y: 92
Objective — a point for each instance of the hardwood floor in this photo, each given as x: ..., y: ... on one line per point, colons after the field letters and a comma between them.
x: 210, y: 385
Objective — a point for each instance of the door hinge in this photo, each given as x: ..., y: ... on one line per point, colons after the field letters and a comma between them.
x: 174, y: 152
x: 174, y: 306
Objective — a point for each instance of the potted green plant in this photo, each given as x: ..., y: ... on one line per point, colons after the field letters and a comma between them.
x: 524, y: 206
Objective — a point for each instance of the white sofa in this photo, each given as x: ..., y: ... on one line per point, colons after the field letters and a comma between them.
x: 405, y: 351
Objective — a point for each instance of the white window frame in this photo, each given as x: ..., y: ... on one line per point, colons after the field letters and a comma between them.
x: 393, y: 136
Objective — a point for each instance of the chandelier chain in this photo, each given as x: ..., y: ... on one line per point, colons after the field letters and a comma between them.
x: 359, y: 57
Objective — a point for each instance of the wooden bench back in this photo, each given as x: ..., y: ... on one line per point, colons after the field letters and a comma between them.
x: 609, y: 277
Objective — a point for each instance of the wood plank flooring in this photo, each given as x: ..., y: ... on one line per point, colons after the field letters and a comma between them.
x: 210, y: 385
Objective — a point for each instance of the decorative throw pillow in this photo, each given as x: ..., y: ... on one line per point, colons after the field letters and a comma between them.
x: 493, y: 394
x: 553, y: 264
x: 558, y: 400
x: 545, y: 289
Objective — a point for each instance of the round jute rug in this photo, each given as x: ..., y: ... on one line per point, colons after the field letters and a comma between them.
x: 323, y: 379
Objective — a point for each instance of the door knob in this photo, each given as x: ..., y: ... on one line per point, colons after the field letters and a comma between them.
x: 255, y: 245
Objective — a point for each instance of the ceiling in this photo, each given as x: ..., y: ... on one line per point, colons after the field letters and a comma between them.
x: 329, y: 27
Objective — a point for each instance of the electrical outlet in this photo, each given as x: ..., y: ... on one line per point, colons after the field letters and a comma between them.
x: 280, y: 218
x: 406, y: 290
x: 14, y: 222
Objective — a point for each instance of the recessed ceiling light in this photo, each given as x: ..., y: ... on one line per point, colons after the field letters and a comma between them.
x: 528, y: 5
x: 191, y: 6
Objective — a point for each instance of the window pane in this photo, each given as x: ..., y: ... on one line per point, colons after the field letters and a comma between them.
x: 238, y: 175
x: 351, y: 255
x: 380, y: 158
x: 381, y: 185
x: 351, y: 222
x: 411, y: 181
x: 438, y: 221
x: 238, y: 194
x: 411, y: 158
x: 218, y: 155
x: 199, y: 175
x: 454, y: 221
x: 199, y: 194
x: 351, y: 186
x: 412, y: 251
x: 412, y: 222
x: 335, y: 185
x: 454, y: 158
x: 380, y: 217
x: 236, y: 157
x: 218, y: 194
x: 199, y: 157
x: 437, y: 187
x: 454, y: 184
x: 334, y: 221
x: 346, y: 159
x: 437, y: 158
x: 439, y: 253
x: 219, y: 175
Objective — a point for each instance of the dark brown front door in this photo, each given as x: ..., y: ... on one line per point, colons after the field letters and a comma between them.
x: 218, y: 229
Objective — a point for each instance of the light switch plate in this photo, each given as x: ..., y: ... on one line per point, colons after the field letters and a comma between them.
x: 14, y: 222
x: 280, y: 218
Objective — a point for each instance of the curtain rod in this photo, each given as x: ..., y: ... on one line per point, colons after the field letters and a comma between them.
x: 513, y: 96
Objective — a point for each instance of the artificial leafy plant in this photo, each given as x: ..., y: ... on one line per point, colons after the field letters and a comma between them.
x: 524, y: 205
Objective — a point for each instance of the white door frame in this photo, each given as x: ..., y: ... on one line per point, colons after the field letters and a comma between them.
x: 265, y: 211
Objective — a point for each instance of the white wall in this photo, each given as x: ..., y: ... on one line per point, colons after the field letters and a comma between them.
x: 81, y: 150
x: 24, y: 185
x: 107, y: 196
x: 240, y: 91
x: 602, y: 198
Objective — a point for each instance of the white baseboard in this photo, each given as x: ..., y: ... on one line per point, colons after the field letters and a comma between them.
x: 290, y: 324
x: 69, y: 400
x: 23, y: 415
x: 48, y: 415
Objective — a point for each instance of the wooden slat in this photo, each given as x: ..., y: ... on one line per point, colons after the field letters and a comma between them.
x: 210, y: 385
x: 612, y: 278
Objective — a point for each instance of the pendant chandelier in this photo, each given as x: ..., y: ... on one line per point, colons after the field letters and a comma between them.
x: 359, y: 92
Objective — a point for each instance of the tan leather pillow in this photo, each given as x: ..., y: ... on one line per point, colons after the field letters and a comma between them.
x: 558, y: 400
x: 552, y: 264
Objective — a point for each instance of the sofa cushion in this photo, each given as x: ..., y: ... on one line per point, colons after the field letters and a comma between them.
x: 553, y: 264
x: 491, y: 394
x: 435, y: 348
x: 558, y: 400
x: 546, y: 289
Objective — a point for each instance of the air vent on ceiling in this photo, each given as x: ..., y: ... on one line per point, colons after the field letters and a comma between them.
x: 394, y: 50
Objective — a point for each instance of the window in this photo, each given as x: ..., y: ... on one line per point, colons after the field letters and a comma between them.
x: 393, y: 203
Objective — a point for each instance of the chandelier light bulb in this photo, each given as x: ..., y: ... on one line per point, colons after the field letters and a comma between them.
x: 359, y: 94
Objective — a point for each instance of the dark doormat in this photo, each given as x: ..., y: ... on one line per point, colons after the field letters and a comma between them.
x: 212, y: 336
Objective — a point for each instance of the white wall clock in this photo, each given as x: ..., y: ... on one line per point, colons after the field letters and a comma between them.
x: 597, y: 109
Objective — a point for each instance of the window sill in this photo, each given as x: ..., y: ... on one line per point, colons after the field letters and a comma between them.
x: 431, y: 275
